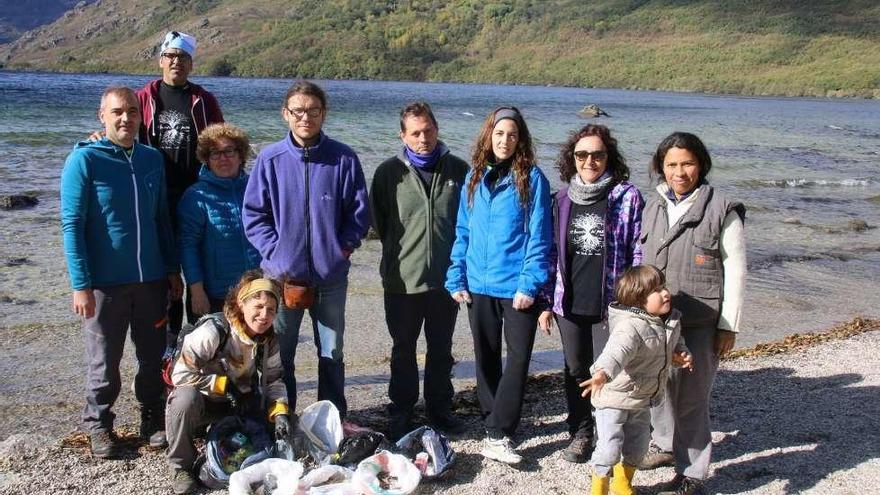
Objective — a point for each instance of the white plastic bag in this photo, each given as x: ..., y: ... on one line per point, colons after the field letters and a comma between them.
x: 330, y: 480
x: 386, y: 474
x: 283, y: 476
x: 323, y: 427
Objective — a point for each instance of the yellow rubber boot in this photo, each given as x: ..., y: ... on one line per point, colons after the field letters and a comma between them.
x: 599, y: 485
x: 621, y: 484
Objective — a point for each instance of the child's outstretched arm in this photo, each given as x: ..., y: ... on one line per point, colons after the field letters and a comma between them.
x: 594, y: 384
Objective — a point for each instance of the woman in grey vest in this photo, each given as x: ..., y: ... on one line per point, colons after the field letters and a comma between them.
x: 694, y: 234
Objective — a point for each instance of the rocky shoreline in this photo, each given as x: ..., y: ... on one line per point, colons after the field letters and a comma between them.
x: 796, y: 416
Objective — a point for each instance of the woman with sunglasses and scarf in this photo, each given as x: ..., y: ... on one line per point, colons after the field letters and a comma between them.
x: 598, y: 218
x: 499, y: 262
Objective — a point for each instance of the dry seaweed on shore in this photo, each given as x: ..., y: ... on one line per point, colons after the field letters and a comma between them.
x: 799, y: 341
x: 127, y: 437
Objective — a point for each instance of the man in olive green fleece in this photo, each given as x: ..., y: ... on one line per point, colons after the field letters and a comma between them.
x: 414, y: 198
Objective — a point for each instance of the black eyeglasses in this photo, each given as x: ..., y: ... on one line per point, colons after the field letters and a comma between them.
x: 226, y: 153
x: 597, y: 155
x: 183, y: 57
x: 302, y: 112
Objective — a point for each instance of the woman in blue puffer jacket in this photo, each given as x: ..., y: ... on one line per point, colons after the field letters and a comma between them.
x: 214, y: 251
x: 499, y: 262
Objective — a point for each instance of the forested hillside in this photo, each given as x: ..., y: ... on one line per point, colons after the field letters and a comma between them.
x: 810, y: 47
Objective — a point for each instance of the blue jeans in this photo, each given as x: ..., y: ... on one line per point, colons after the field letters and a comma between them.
x: 328, y: 325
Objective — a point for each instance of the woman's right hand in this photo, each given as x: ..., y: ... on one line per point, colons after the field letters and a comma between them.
x: 462, y: 296
x: 545, y: 321
x: 200, y: 303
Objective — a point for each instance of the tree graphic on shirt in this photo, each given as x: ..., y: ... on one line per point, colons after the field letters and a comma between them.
x: 588, y: 234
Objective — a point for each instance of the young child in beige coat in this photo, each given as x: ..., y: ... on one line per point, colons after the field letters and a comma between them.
x: 630, y: 375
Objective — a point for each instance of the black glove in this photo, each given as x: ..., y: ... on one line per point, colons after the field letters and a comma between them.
x: 282, y: 427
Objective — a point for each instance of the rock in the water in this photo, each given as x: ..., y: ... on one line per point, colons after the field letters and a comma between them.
x: 16, y: 201
x: 591, y: 111
x: 858, y: 225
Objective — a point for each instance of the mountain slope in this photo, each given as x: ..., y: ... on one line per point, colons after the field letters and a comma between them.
x: 808, y: 47
x: 16, y: 16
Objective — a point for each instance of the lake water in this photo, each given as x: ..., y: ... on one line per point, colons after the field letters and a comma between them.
x: 807, y: 169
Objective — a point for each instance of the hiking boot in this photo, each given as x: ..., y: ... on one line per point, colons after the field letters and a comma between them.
x: 657, y: 457
x: 501, y: 450
x: 183, y: 482
x: 103, y: 445
x: 685, y: 486
x: 446, y: 423
x: 152, y: 428
x: 579, y: 450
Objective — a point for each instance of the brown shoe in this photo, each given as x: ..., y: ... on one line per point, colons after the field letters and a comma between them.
x: 685, y: 486
x: 183, y: 482
x: 656, y: 457
x: 103, y: 445
x: 579, y: 450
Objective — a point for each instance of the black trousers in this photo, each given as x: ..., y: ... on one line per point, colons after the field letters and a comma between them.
x: 405, y: 315
x: 500, y: 393
x: 578, y: 336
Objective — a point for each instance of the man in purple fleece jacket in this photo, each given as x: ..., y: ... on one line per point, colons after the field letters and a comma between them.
x: 306, y: 210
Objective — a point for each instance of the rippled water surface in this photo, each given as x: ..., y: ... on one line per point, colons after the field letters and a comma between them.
x: 807, y: 169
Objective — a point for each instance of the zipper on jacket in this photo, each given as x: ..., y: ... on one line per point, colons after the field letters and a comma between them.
x: 192, y: 113
x: 428, y: 200
x: 137, y: 214
x: 665, y: 365
x: 435, y: 182
x: 308, y: 214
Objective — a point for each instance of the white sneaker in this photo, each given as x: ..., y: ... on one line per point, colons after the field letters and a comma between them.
x: 500, y: 450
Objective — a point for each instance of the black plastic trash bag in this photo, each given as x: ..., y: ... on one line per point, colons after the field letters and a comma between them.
x: 358, y: 447
x: 425, y: 439
x: 233, y: 443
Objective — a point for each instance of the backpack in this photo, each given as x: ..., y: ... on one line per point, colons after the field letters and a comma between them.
x: 223, y: 330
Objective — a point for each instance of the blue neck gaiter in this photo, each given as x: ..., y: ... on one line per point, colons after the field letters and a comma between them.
x: 424, y: 162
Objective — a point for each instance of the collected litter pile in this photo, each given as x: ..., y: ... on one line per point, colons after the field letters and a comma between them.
x: 321, y: 458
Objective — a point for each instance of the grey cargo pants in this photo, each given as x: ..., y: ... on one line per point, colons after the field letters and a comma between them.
x: 188, y: 409
x: 142, y: 307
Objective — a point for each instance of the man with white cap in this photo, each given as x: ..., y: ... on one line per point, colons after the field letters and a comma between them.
x: 175, y: 110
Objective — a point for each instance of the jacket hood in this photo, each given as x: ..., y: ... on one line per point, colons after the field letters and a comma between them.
x: 401, y: 155
x: 618, y: 312
x: 152, y: 88
x: 102, y: 144
x: 208, y: 177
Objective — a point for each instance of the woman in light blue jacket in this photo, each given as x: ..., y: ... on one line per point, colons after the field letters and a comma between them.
x: 214, y: 251
x: 500, y: 261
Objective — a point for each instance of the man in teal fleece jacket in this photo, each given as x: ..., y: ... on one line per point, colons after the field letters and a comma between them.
x: 120, y: 256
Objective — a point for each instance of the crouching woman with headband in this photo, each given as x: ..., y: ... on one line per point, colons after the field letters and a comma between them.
x: 217, y: 369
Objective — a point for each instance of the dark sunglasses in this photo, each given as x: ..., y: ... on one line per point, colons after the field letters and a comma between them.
x: 595, y: 155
